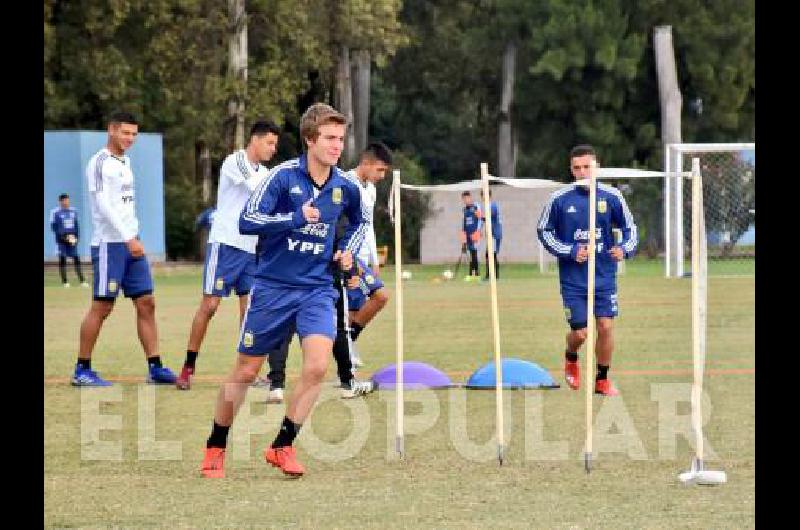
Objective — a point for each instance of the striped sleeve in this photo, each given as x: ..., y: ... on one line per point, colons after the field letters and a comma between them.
x: 624, y: 220
x: 357, y: 227
x: 259, y: 216
x: 547, y: 228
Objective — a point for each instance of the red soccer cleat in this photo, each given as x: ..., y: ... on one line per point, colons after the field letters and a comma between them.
x: 214, y: 463
x: 605, y: 387
x: 285, y: 458
x: 572, y: 373
x: 184, y: 381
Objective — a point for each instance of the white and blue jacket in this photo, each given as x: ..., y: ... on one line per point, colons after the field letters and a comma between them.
x: 564, y: 224
x: 64, y: 221
x: 290, y: 251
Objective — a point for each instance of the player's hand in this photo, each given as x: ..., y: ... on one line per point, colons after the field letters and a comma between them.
x: 617, y: 253
x: 71, y: 239
x: 583, y: 253
x: 345, y: 259
x: 353, y: 282
x: 310, y: 213
x: 135, y: 247
x: 475, y: 236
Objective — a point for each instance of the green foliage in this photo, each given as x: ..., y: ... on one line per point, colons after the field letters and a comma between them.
x: 585, y: 73
x: 415, y: 208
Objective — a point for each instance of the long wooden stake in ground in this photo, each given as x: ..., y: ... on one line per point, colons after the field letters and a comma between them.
x: 498, y: 362
x: 698, y: 350
x: 398, y: 277
x: 589, y: 379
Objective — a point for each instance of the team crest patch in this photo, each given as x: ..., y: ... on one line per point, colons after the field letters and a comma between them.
x: 601, y: 206
x: 337, y: 195
x: 112, y: 286
x: 220, y: 283
x: 369, y: 278
x: 247, y: 340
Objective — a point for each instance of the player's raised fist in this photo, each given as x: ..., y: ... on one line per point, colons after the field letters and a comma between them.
x: 310, y: 213
x: 582, y: 254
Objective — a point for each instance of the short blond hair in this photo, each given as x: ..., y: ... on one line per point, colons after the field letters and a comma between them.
x: 317, y: 115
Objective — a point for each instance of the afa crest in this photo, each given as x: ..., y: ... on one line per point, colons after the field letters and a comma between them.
x: 220, y: 284
x: 602, y: 206
x: 247, y: 340
x: 337, y: 196
x: 112, y: 286
x: 370, y: 279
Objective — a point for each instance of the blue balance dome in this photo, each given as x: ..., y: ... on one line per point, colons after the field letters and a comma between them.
x: 516, y: 374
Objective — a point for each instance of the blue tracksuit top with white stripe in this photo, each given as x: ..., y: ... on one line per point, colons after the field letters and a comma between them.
x: 292, y: 252
x: 64, y: 221
x: 472, y: 218
x: 564, y: 224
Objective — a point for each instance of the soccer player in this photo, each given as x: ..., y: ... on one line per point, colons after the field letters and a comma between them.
x: 64, y: 223
x: 293, y: 212
x: 373, y: 164
x: 118, y: 257
x: 497, y: 236
x: 564, y: 230
x: 471, y: 234
x: 372, y: 167
x: 230, y: 256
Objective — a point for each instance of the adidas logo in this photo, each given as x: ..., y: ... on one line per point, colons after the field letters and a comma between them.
x: 571, y: 209
x: 296, y: 190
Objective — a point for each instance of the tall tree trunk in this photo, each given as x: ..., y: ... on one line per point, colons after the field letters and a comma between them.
x: 361, y: 86
x: 506, y: 159
x: 669, y: 95
x: 237, y: 68
x: 344, y: 102
x: 203, y: 172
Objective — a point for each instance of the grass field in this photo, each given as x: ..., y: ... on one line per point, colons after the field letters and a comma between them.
x: 450, y: 477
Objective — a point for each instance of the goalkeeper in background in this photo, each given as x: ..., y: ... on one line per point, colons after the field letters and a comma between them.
x: 64, y: 223
x: 564, y: 230
x: 471, y: 234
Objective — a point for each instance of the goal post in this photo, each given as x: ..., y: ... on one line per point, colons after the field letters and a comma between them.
x: 729, y: 188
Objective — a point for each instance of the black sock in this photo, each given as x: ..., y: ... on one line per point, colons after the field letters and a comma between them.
x: 219, y: 436
x: 154, y: 361
x: 571, y: 357
x: 86, y: 364
x: 191, y: 357
x: 355, y: 330
x: 602, y: 372
x: 286, y: 435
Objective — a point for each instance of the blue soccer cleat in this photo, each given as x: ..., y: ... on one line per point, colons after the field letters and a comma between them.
x: 161, y: 375
x: 87, y: 377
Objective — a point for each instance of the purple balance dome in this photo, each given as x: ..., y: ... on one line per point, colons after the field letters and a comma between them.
x: 415, y: 375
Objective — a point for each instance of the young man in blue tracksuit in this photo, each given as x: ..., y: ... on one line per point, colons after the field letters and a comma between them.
x: 471, y: 234
x: 293, y: 212
x: 64, y: 224
x: 497, y: 236
x: 564, y: 230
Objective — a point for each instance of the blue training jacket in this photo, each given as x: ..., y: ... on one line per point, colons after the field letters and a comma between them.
x: 472, y: 218
x: 564, y: 224
x: 290, y: 251
x: 497, y: 226
x: 64, y: 221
